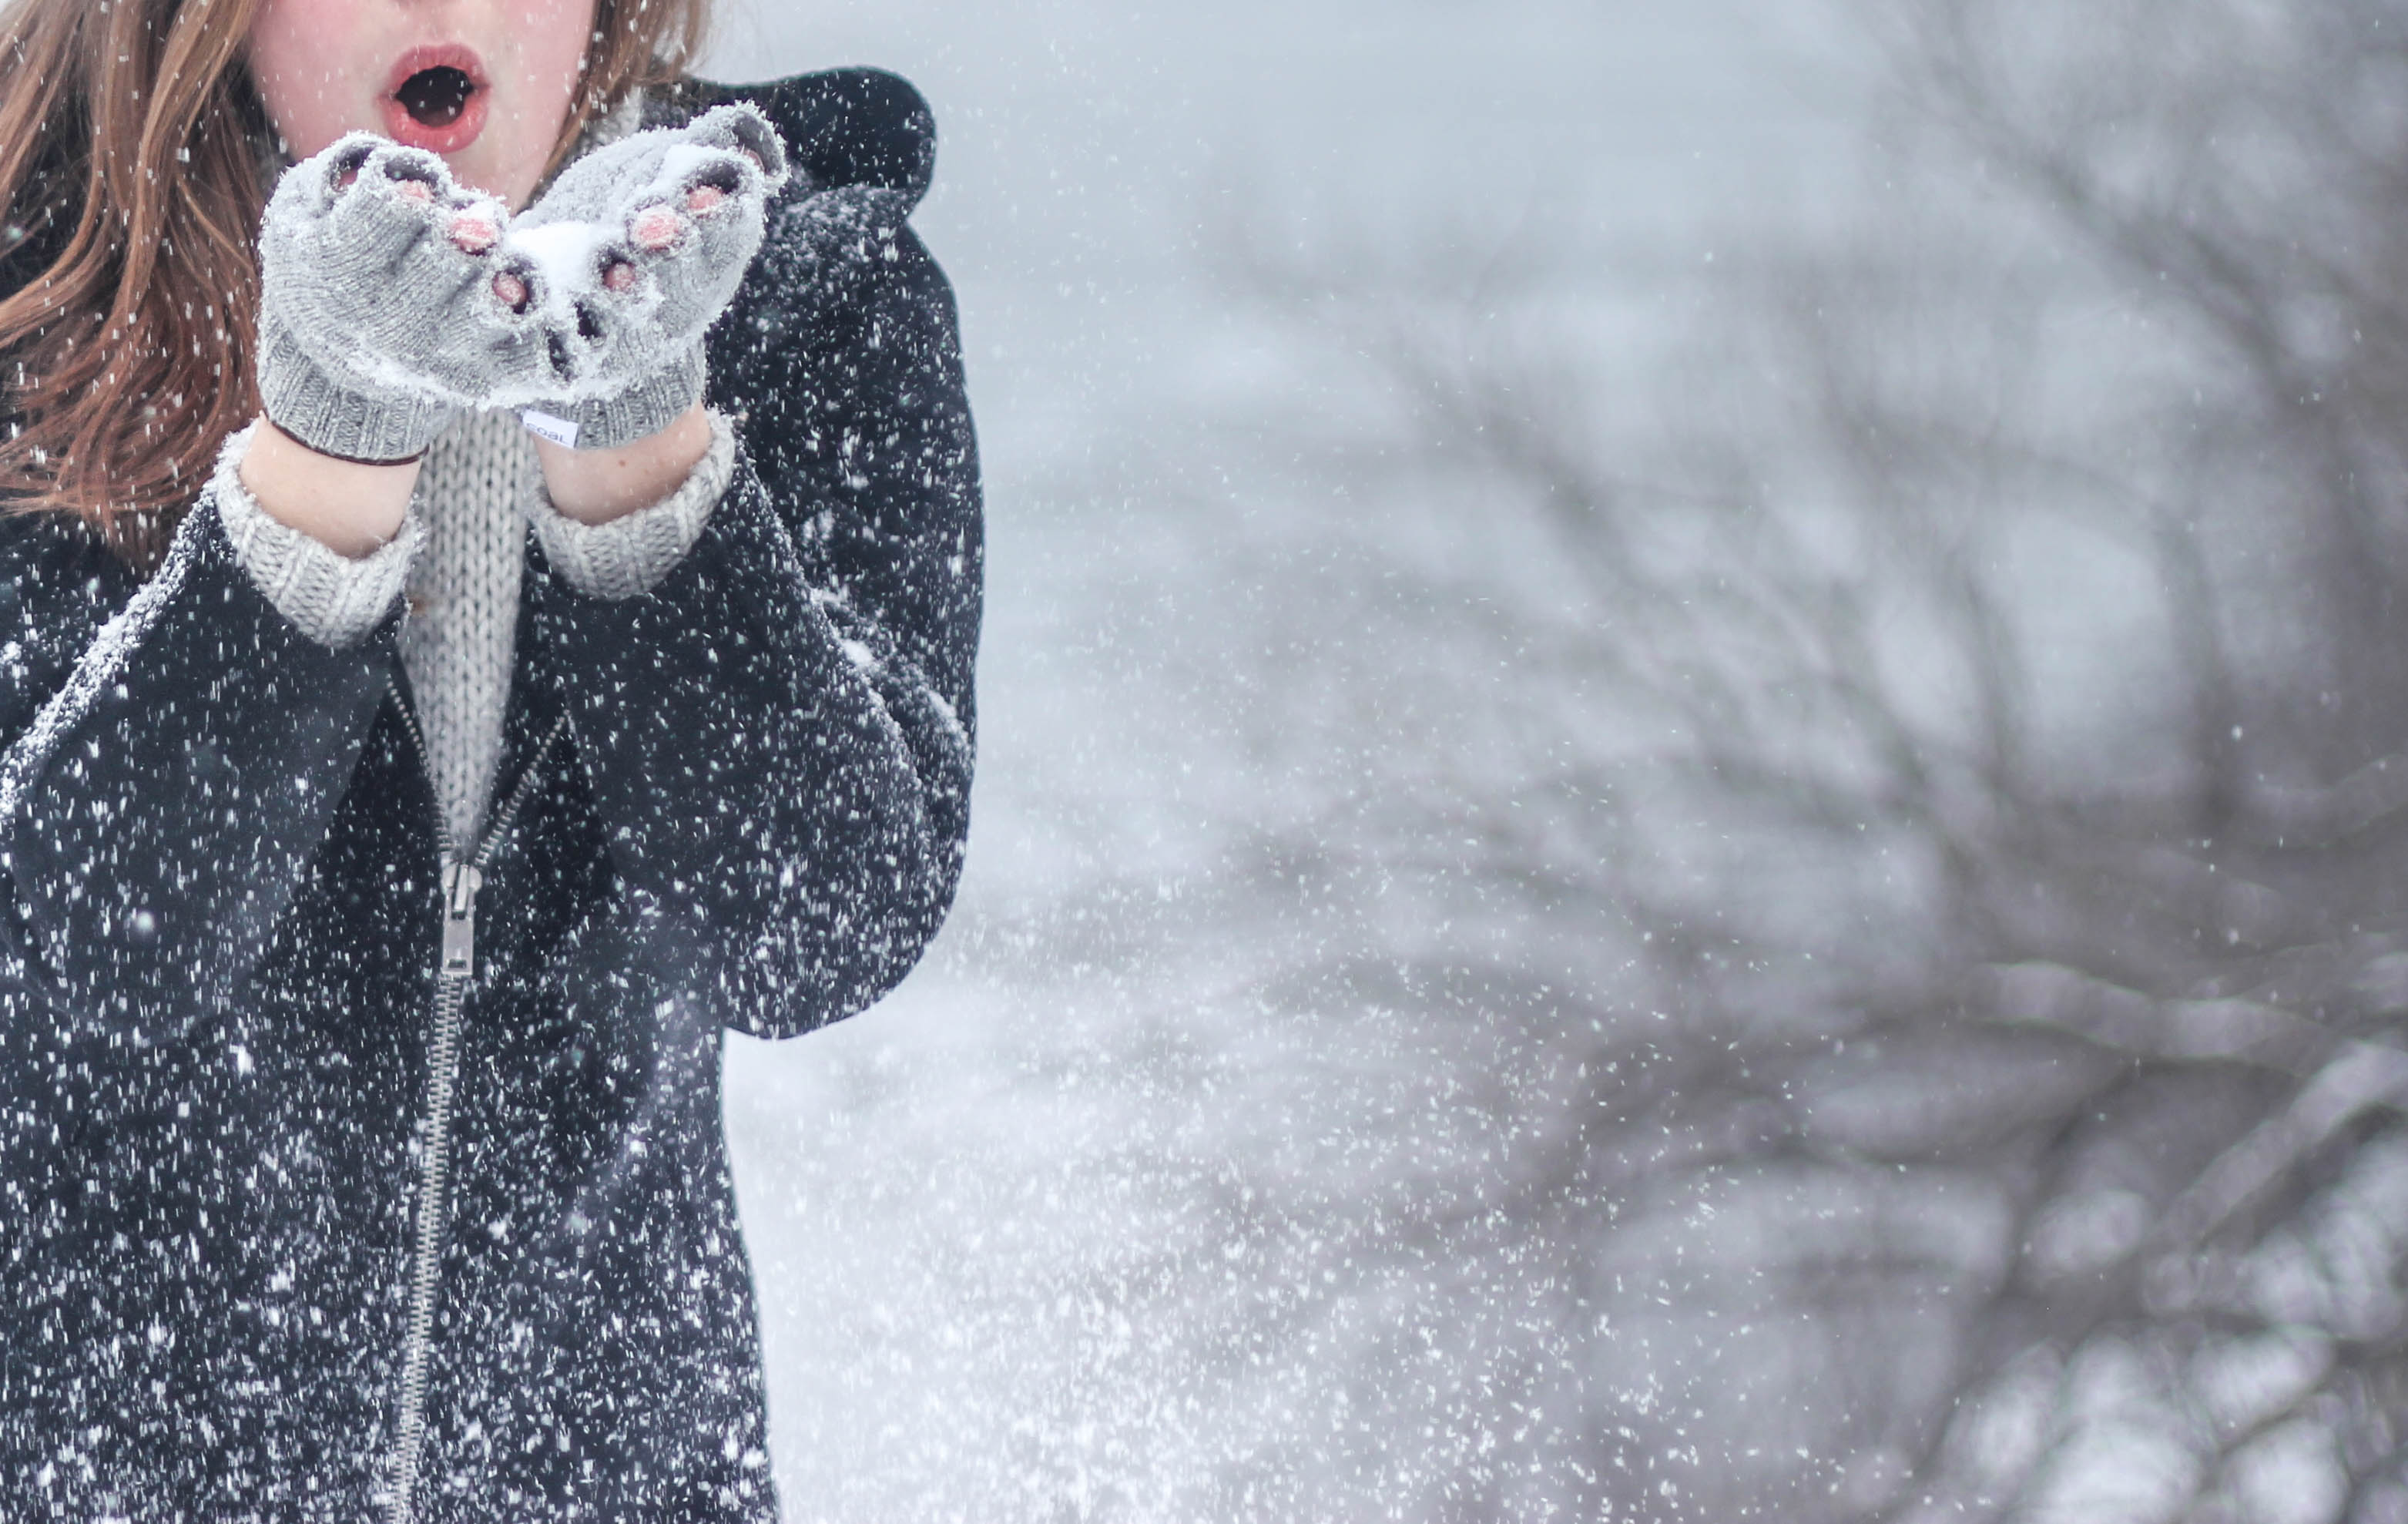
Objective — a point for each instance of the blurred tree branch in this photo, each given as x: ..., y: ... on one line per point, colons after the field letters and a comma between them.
x: 2133, y: 970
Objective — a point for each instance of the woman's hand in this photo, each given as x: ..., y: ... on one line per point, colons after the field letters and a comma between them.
x: 622, y: 266
x: 392, y: 299
x: 348, y: 508
x: 377, y: 324
x: 379, y: 317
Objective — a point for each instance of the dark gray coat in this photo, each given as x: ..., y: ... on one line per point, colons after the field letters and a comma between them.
x: 219, y: 921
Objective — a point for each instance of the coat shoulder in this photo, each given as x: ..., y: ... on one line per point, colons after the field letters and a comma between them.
x: 844, y: 127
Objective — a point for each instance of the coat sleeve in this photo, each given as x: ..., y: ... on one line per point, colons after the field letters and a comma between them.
x: 176, y: 749
x: 779, y: 734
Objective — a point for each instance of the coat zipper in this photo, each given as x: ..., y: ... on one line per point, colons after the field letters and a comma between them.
x: 464, y: 874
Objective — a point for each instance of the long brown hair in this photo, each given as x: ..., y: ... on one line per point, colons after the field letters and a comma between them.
x: 135, y: 161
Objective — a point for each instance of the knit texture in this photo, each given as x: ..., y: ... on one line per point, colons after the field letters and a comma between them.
x: 629, y: 257
x: 335, y: 599
x: 479, y: 480
x: 460, y: 554
x: 374, y: 324
x: 628, y: 555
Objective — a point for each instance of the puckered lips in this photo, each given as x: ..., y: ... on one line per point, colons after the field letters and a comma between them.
x: 435, y: 97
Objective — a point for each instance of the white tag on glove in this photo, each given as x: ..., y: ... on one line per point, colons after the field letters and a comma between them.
x: 543, y: 425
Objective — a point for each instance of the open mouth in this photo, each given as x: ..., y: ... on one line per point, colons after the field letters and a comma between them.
x: 435, y: 98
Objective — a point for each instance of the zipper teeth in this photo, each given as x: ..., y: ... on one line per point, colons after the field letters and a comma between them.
x: 426, y: 1270
x: 442, y: 1077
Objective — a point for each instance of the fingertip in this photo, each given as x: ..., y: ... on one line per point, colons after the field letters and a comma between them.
x: 656, y: 228
x: 748, y: 132
x: 415, y: 174
x: 474, y: 231
x: 345, y: 160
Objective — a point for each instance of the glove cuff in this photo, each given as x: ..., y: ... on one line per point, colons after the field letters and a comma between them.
x: 332, y: 419
x: 646, y: 407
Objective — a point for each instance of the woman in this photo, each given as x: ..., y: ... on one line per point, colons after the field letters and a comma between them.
x: 398, y: 805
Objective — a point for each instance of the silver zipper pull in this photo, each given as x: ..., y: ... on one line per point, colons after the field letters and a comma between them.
x: 460, y: 887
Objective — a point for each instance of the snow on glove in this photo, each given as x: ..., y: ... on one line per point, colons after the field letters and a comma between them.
x: 378, y: 321
x: 624, y: 262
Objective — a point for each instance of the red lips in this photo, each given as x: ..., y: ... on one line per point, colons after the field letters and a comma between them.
x: 450, y: 108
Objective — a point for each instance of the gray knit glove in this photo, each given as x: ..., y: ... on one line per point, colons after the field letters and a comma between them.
x: 378, y: 320
x: 626, y: 261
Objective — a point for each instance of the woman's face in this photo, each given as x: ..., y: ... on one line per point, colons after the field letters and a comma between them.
x: 485, y: 83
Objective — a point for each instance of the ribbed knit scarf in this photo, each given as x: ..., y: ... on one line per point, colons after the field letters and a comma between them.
x: 478, y: 490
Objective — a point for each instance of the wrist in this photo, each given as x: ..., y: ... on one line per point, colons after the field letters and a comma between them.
x: 597, y: 485
x: 350, y: 506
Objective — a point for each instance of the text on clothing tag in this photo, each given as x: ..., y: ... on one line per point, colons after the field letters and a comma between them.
x: 543, y: 425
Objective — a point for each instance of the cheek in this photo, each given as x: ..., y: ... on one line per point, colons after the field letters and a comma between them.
x: 533, y: 51
x: 306, y: 79
x: 552, y: 37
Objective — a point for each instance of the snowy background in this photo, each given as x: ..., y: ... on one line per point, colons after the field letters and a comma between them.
x: 1595, y: 890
